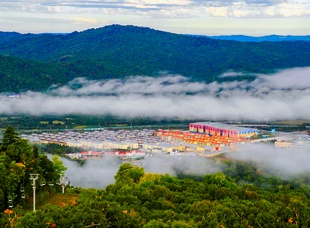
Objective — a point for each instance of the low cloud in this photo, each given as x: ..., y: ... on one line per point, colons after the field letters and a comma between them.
x: 282, y: 162
x: 100, y: 173
x: 94, y: 174
x: 190, y: 165
x: 283, y: 95
x: 285, y: 163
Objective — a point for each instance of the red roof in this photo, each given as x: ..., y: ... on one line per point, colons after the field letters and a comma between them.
x: 90, y: 153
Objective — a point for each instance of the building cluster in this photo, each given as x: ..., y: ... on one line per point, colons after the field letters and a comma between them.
x: 294, y: 140
x: 283, y: 143
x: 106, y: 139
x: 85, y: 155
x: 201, y: 137
x: 220, y: 129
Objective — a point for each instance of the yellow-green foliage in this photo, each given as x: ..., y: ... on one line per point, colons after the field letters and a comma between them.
x: 150, y: 177
x: 58, y: 122
x: 80, y: 127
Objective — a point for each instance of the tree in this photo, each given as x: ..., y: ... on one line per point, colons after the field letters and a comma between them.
x: 29, y: 220
x: 155, y: 224
x: 10, y: 136
x: 128, y: 173
x: 59, y: 168
x: 47, y: 166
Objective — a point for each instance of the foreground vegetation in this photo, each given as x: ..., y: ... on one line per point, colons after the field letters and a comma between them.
x: 18, y: 160
x: 242, y: 195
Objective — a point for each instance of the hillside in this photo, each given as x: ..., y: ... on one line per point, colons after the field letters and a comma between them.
x: 18, y: 75
x: 116, y: 51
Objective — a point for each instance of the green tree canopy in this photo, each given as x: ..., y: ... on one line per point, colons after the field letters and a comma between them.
x: 59, y: 168
x: 10, y: 136
x: 18, y: 159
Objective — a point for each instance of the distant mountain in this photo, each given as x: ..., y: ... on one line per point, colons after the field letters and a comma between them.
x: 272, y: 38
x: 117, y: 51
x: 6, y: 37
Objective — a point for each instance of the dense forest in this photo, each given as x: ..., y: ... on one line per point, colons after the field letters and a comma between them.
x: 242, y: 195
x: 81, y: 122
x: 36, y: 61
x: 19, y: 75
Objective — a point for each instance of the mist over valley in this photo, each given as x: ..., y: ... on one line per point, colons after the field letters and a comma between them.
x: 280, y: 96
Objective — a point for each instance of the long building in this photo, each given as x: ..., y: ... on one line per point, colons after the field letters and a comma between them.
x: 221, y: 129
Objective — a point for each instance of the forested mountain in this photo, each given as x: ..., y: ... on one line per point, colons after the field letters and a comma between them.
x: 18, y: 75
x: 12, y: 37
x: 116, y: 51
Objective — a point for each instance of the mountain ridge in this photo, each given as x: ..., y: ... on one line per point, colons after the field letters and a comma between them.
x: 235, y: 37
x: 268, y: 38
x: 118, y: 51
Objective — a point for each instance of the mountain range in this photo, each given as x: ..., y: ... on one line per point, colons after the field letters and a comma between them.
x: 36, y: 61
x: 272, y: 38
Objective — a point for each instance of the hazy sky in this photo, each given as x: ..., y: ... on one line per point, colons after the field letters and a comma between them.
x: 214, y: 17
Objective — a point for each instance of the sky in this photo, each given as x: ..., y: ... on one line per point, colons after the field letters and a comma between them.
x: 284, y: 95
x: 214, y: 17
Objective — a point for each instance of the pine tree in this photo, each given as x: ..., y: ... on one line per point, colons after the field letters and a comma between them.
x: 10, y: 136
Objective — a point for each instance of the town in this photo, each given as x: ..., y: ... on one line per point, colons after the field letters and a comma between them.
x: 202, y: 139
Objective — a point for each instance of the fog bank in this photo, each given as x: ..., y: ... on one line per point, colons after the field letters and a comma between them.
x: 283, y: 95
